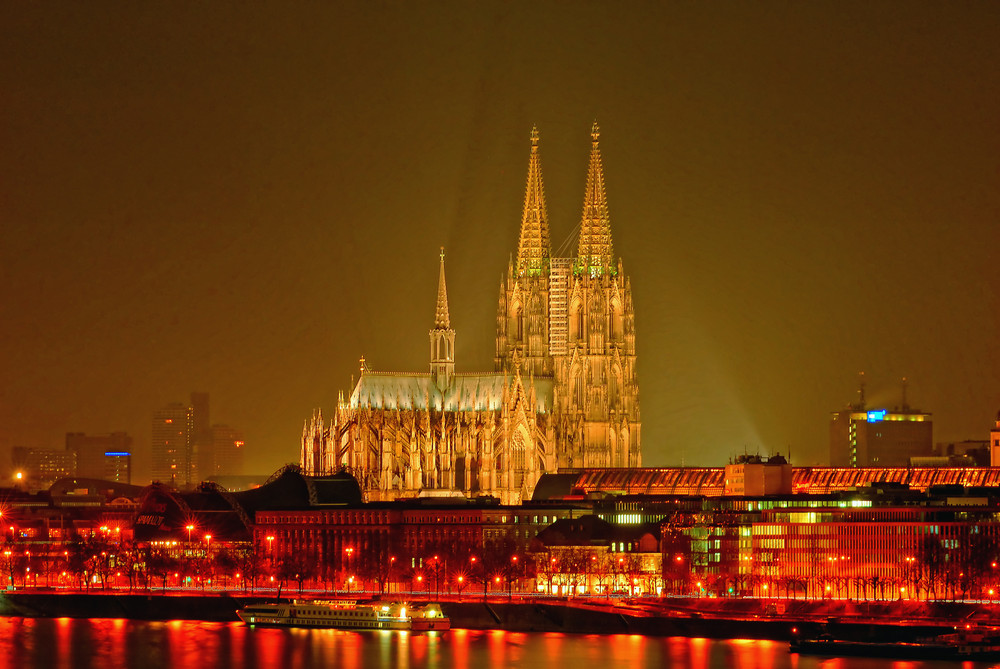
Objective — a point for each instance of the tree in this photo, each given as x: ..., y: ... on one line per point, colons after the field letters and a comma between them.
x: 292, y: 567
x: 248, y: 565
x: 224, y: 562
x: 160, y: 564
x: 676, y: 550
x: 377, y: 565
x: 76, y: 560
x: 129, y: 561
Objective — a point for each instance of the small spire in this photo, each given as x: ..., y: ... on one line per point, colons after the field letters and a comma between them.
x: 442, y: 321
x: 595, y: 133
x: 534, y: 138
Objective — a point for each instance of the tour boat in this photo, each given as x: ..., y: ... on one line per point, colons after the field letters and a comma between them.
x: 347, y: 615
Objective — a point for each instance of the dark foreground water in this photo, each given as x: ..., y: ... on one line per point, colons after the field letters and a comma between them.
x: 110, y: 643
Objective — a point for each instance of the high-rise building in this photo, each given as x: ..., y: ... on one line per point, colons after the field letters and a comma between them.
x: 863, y: 436
x: 91, y: 453
x: 563, y: 391
x: 173, y: 461
x: 39, y: 468
x: 201, y: 438
x: 118, y: 466
x: 227, y: 452
x: 995, y: 443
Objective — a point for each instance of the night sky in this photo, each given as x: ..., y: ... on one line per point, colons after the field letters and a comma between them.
x: 244, y: 199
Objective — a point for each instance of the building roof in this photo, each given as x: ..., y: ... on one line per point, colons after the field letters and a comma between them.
x: 632, y: 481
x: 166, y: 512
x: 593, y: 531
x: 467, y: 392
x: 710, y: 481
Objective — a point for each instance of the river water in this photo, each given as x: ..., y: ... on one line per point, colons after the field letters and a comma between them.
x: 64, y: 643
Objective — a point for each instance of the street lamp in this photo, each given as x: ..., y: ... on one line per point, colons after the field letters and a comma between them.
x: 189, y: 527
x: 437, y: 576
x: 472, y: 574
x: 350, y: 553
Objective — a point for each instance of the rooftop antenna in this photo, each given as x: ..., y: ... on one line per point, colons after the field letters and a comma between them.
x: 906, y: 407
x: 861, y: 391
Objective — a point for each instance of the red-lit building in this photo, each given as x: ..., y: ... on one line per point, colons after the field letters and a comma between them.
x: 421, y: 543
x: 884, y: 541
x: 589, y: 555
x: 861, y: 550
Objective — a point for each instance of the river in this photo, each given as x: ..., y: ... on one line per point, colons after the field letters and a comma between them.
x: 65, y: 643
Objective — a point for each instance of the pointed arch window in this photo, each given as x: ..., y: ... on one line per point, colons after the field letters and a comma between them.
x: 575, y: 320
x: 616, y: 321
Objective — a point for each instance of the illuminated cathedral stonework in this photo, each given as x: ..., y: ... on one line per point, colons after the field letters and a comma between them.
x: 563, y: 393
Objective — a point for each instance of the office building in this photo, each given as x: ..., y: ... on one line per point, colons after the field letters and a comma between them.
x: 173, y: 458
x: 92, y: 460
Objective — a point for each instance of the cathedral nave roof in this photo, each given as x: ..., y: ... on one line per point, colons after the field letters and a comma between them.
x: 467, y: 392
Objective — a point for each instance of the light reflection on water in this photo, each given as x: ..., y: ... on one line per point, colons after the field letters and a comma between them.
x: 65, y: 643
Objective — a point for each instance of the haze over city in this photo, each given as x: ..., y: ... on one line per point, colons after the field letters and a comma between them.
x: 244, y: 201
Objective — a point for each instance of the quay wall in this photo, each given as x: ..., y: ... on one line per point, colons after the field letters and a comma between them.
x: 710, y: 618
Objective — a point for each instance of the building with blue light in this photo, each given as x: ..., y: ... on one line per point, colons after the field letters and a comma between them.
x: 862, y: 437
x: 104, y: 456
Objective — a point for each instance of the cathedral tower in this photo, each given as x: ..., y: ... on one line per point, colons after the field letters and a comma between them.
x: 571, y: 320
x: 523, y: 312
x: 597, y: 401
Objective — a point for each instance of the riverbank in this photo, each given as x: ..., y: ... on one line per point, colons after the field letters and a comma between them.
x: 694, y: 617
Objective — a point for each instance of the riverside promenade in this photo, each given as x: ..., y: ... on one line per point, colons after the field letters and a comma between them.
x: 692, y: 617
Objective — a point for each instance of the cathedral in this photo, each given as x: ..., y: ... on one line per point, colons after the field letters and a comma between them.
x: 563, y: 393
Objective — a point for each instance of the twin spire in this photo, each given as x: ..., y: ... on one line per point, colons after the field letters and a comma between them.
x: 533, y: 250
x: 595, y: 253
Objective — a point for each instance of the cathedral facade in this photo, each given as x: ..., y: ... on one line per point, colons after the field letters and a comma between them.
x: 563, y: 392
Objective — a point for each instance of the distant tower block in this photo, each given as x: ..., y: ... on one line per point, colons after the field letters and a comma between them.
x: 995, y: 443
x: 863, y: 436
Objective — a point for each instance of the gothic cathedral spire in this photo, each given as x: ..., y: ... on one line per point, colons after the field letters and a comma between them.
x: 442, y: 321
x: 523, y: 309
x: 442, y: 337
x: 595, y: 255
x: 534, y: 248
